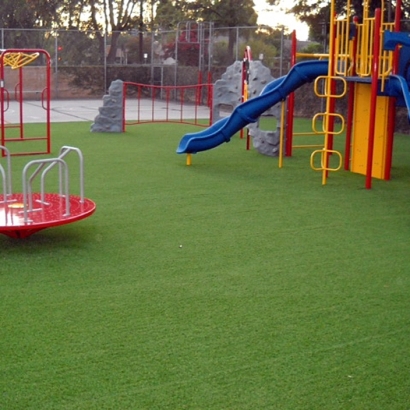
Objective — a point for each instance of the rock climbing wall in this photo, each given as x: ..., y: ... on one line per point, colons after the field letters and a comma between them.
x: 110, y: 114
x: 228, y: 95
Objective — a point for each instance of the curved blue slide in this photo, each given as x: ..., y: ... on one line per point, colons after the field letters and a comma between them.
x: 397, y: 86
x: 251, y: 110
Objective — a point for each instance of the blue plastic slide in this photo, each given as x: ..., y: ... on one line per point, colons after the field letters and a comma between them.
x: 251, y: 110
x: 397, y: 87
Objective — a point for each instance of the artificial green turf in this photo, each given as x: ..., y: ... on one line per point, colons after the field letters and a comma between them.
x: 286, y: 294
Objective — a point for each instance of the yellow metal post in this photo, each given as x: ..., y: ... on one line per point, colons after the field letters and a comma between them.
x: 328, y: 84
x: 282, y: 132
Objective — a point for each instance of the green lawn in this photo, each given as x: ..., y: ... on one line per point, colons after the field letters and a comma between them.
x: 285, y: 294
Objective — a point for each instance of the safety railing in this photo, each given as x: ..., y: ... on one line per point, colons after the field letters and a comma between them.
x: 343, y: 49
x: 43, y: 167
x: 366, y: 35
x: 189, y: 104
x: 364, y: 56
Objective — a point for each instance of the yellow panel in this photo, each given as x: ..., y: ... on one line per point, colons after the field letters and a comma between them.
x: 380, y: 138
x: 361, y: 123
x: 360, y: 128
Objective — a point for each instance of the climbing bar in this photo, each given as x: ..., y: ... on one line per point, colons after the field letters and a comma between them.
x: 324, y: 160
x: 320, y: 56
x: 326, y: 116
x: 319, y: 81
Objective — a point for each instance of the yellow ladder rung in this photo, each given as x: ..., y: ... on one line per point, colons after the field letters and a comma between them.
x: 308, y: 146
x: 326, y: 116
x: 319, y: 80
x: 307, y: 134
x: 324, y: 153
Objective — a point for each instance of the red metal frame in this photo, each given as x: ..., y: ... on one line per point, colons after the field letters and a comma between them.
x: 351, y: 99
x: 373, y: 98
x: 167, y: 92
x: 291, y: 103
x: 350, y: 105
x: 19, y: 95
x: 392, y: 101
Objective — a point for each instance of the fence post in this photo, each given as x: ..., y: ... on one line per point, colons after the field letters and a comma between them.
x: 282, y: 42
x: 56, y: 64
x: 237, y: 43
x: 105, y: 61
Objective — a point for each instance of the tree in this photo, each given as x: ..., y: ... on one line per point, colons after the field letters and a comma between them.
x: 318, y: 16
x: 227, y: 14
x: 104, y: 17
x: 109, y: 16
x: 26, y: 14
x: 224, y: 14
x: 170, y: 13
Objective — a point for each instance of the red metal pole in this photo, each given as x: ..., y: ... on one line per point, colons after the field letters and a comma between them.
x: 20, y: 87
x: 243, y: 82
x: 291, y: 103
x: 124, y: 92
x: 210, y: 102
x: 373, y: 98
x: 48, y: 97
x: 392, y: 101
x: 209, y: 82
x: 350, y: 105
x: 153, y: 89
x: 167, y: 99
x: 139, y: 103
x: 198, y: 103
x: 2, y: 96
x: 182, y: 102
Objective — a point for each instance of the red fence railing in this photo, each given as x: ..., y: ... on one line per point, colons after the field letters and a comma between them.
x: 189, y: 104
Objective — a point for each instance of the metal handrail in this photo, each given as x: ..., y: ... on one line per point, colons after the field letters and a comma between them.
x: 64, y: 150
x: 28, y: 183
x: 7, y: 177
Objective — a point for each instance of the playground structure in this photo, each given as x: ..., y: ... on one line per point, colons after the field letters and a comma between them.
x: 363, y: 64
x: 12, y: 63
x: 23, y: 214
x: 242, y: 81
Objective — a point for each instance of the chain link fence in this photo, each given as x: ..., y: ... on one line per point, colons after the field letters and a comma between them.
x: 84, y: 63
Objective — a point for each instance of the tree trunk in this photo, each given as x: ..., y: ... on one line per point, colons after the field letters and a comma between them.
x: 231, y: 44
x: 113, y: 48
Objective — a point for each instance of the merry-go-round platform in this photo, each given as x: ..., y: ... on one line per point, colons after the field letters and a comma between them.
x: 23, y: 214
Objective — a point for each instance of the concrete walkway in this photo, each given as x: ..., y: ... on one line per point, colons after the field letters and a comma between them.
x: 87, y: 110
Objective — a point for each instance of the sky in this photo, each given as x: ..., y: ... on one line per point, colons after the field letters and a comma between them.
x: 276, y: 15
